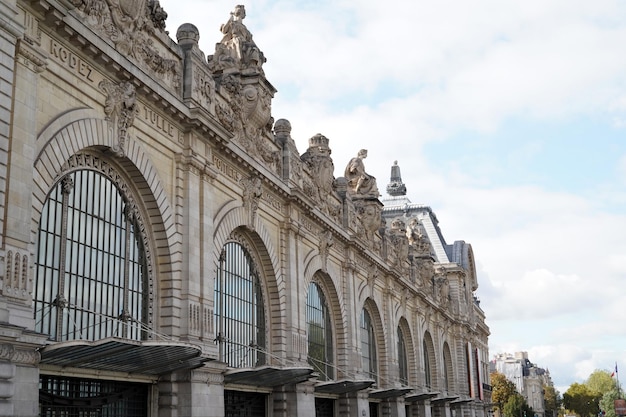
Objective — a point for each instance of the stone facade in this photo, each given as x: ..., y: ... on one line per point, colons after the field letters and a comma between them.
x: 162, y: 240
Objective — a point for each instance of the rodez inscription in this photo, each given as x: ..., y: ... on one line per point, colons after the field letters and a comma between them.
x: 73, y: 62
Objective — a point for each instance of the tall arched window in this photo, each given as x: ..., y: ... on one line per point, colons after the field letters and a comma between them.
x: 427, y: 370
x: 239, y: 311
x: 447, y: 368
x: 430, y: 366
x: 319, y: 333
x: 402, y: 359
x: 368, y: 346
x: 90, y: 279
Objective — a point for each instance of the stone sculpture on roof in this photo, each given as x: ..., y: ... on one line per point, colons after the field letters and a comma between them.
x: 360, y: 183
x: 237, y: 49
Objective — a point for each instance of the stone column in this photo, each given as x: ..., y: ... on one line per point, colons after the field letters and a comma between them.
x: 201, y: 392
x: 294, y: 400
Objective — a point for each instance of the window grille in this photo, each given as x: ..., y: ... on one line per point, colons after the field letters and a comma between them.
x: 319, y: 333
x: 402, y: 359
x: 239, y: 312
x: 90, y: 271
x: 368, y: 346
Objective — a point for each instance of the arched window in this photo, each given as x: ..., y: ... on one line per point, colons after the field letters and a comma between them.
x: 447, y: 368
x: 239, y: 311
x: 90, y: 279
x: 427, y: 370
x: 368, y: 346
x: 402, y: 359
x: 319, y: 333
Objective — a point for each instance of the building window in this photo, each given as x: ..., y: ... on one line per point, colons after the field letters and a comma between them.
x: 319, y: 331
x: 427, y: 370
x: 448, y: 381
x: 239, y: 312
x: 368, y: 346
x: 402, y: 359
x: 90, y: 278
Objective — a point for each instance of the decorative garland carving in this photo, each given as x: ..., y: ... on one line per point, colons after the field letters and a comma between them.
x: 130, y: 25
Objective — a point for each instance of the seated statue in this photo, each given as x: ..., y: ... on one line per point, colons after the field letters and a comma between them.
x: 237, y: 41
x: 359, y: 182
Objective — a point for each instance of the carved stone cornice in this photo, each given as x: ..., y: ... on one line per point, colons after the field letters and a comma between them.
x: 31, y: 57
x: 18, y: 355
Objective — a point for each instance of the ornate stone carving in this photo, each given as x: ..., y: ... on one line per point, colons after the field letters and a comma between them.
x: 368, y: 214
x: 360, y: 184
x: 19, y: 356
x: 252, y: 192
x: 397, y: 237
x: 442, y: 285
x: 372, y: 276
x: 129, y: 24
x: 237, y: 50
x: 120, y: 108
x: 320, y: 166
x: 326, y: 242
x: 418, y: 238
x: 17, y: 283
x: 248, y: 117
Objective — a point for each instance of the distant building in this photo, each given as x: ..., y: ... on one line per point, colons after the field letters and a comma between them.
x: 166, y: 250
x: 529, y: 379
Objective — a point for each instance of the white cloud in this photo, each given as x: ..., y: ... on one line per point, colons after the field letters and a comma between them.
x: 551, y: 264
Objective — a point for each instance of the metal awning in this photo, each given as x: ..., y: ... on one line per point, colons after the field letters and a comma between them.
x: 124, y: 355
x: 420, y: 396
x: 268, y: 376
x: 460, y: 401
x: 389, y: 392
x: 343, y: 386
x: 444, y: 399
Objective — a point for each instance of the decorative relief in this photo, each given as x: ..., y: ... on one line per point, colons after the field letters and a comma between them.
x: 372, y: 275
x: 325, y: 243
x: 203, y: 87
x: 321, y: 185
x: 397, y: 237
x: 252, y: 192
x: 442, y: 286
x: 418, y: 238
x: 120, y: 107
x: 19, y: 356
x: 368, y: 214
x: 17, y: 283
x: 130, y: 25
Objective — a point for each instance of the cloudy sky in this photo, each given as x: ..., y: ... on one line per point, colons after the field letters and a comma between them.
x: 508, y: 118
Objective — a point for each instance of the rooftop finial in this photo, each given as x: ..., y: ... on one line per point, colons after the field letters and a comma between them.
x: 396, y: 187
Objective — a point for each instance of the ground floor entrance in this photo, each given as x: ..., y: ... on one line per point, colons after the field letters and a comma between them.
x: 80, y: 397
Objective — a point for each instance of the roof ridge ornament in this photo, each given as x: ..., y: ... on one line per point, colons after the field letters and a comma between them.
x: 396, y: 187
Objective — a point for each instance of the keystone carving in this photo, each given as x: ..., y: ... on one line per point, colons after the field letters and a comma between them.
x: 120, y: 107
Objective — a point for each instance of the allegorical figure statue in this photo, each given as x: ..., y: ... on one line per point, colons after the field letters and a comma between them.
x: 238, y: 40
x: 360, y: 183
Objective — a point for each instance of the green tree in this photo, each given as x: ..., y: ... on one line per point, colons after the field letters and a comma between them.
x: 580, y: 399
x: 607, y: 402
x: 552, y: 400
x: 600, y: 381
x: 517, y: 406
x: 501, y: 390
